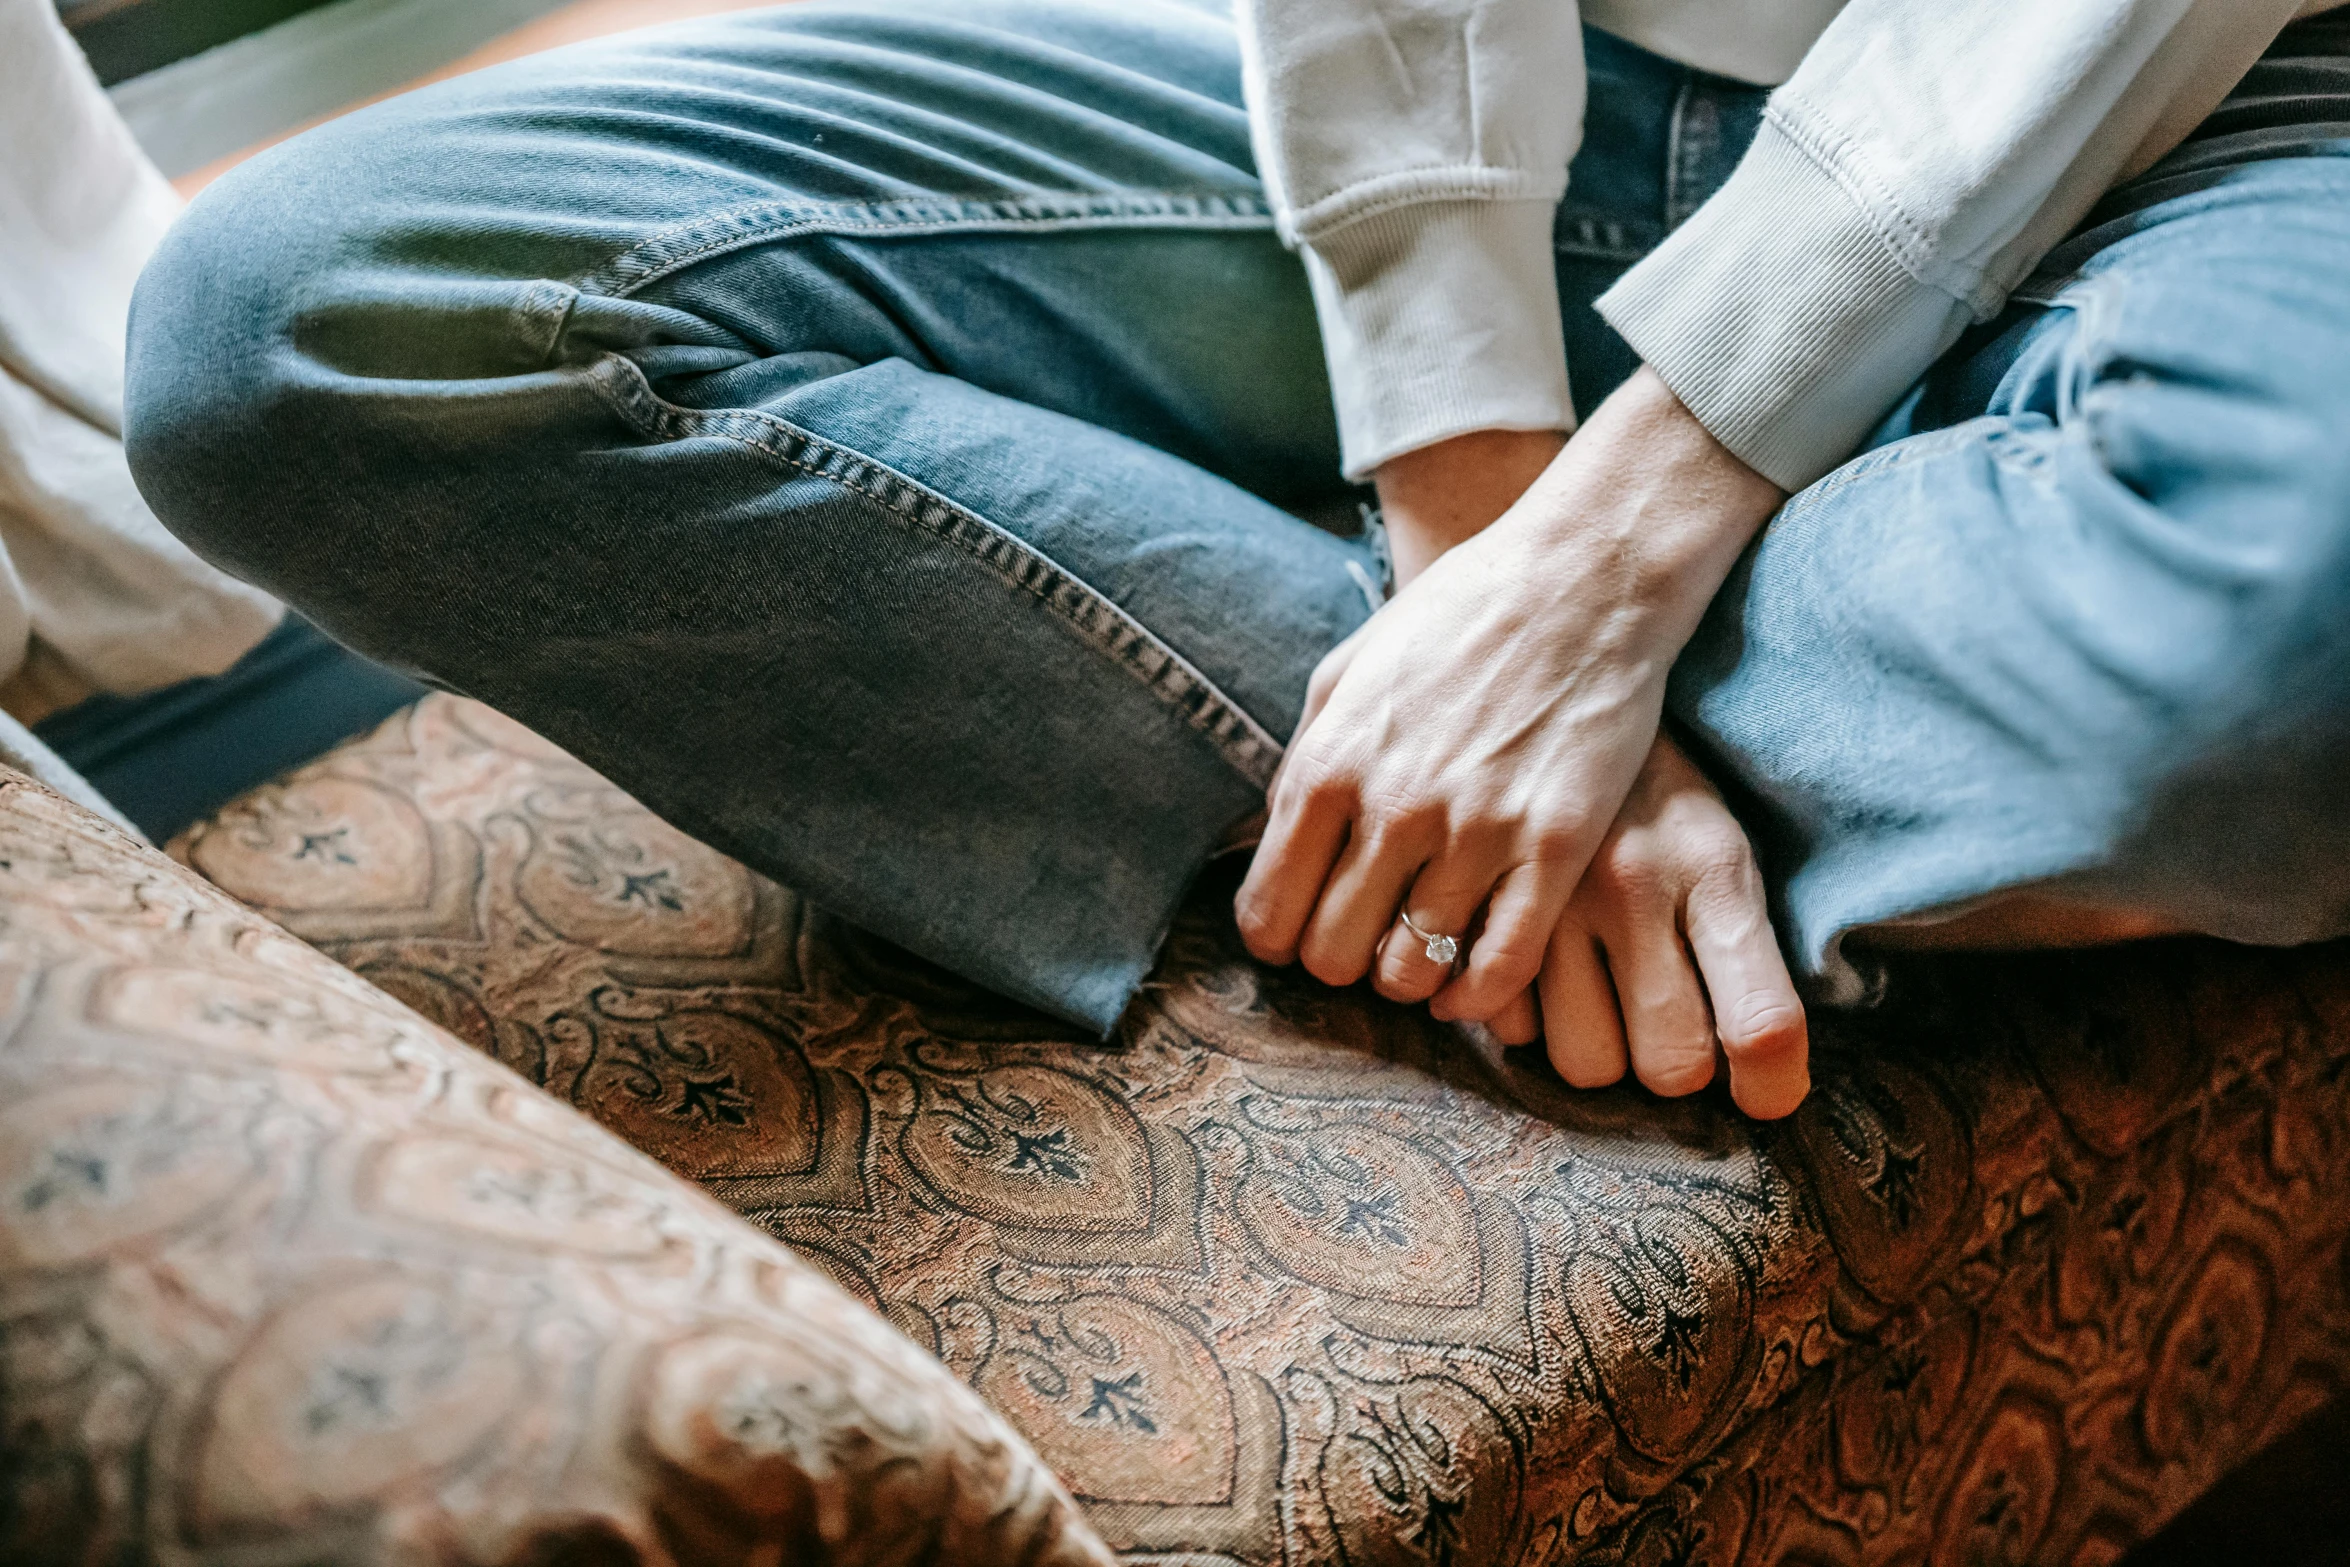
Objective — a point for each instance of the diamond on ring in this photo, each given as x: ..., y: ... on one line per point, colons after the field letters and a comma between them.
x: 1441, y: 949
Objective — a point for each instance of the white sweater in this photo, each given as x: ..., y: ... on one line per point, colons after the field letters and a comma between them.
x: 1916, y: 160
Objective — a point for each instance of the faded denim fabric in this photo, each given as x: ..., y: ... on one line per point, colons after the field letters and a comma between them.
x: 878, y: 438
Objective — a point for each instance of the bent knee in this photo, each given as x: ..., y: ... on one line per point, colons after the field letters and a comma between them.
x: 304, y: 401
x: 208, y: 370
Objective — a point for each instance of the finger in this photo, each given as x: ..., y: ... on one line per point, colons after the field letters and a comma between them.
x: 1757, y: 1014
x: 1520, y: 919
x: 1360, y: 898
x: 1519, y: 1022
x: 1580, y: 1020
x: 1304, y: 833
x: 1443, y: 901
x: 1667, y: 1029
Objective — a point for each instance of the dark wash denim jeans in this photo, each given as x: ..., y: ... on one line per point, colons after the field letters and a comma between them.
x: 878, y: 435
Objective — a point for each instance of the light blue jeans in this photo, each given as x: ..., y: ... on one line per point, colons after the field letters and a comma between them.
x: 890, y: 441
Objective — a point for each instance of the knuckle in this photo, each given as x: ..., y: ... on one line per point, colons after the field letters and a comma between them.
x: 1507, y: 963
x: 1399, y: 977
x: 1628, y: 874
x: 1321, y: 783
x: 1329, y: 963
x: 1587, y: 1068
x: 1317, y: 759
x: 1394, y: 815
x: 1556, y: 842
x: 1764, y: 1029
x: 1254, y: 916
x: 1675, y: 1071
x: 1722, y: 861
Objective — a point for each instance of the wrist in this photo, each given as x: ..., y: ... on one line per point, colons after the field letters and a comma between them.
x: 1647, y: 494
x: 1446, y: 494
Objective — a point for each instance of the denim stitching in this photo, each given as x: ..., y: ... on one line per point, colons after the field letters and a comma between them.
x: 1239, y: 739
x: 1896, y: 454
x: 541, y: 314
x: 656, y: 257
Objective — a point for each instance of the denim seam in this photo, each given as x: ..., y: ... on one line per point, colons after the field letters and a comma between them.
x: 659, y: 255
x: 1243, y: 743
x: 1898, y: 454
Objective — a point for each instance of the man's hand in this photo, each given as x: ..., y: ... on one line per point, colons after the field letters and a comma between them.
x: 1666, y: 960
x: 1468, y: 749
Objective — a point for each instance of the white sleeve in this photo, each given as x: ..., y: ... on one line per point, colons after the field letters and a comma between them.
x: 1415, y: 152
x: 90, y: 583
x: 1918, y: 164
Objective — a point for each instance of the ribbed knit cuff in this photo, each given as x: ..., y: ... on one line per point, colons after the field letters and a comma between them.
x: 1781, y: 314
x: 1439, y: 318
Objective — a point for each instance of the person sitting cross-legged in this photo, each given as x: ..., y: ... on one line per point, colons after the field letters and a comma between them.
x: 880, y: 437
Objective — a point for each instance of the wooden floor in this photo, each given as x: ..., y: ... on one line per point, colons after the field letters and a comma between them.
x: 2288, y: 1508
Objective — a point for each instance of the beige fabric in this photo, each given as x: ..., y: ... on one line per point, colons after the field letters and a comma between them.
x: 92, y: 589
x: 289, y: 1275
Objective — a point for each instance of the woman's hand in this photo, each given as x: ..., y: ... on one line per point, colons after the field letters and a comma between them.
x: 1447, y: 494
x: 1469, y: 748
x: 1665, y: 958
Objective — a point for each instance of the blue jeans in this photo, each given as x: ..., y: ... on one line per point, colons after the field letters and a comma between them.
x: 891, y: 442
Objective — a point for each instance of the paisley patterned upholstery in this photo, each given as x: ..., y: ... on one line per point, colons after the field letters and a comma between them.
x: 288, y: 1275
x: 1291, y: 1276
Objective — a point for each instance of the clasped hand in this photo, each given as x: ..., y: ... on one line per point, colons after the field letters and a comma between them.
x: 1484, y: 756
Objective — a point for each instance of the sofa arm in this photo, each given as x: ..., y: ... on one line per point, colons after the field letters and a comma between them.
x: 286, y: 1273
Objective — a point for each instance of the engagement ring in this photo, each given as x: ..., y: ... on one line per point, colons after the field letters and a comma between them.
x: 1441, y: 949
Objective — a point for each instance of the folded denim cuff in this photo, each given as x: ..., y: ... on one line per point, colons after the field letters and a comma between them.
x: 1783, y: 313
x: 1438, y: 318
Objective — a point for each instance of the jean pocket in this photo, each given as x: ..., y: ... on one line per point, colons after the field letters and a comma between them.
x: 1596, y: 235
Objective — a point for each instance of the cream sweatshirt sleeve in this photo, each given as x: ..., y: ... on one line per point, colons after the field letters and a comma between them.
x: 1920, y: 160
x: 1415, y: 152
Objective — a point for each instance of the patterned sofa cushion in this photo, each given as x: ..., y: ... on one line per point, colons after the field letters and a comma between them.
x: 1291, y: 1276
x: 288, y: 1275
